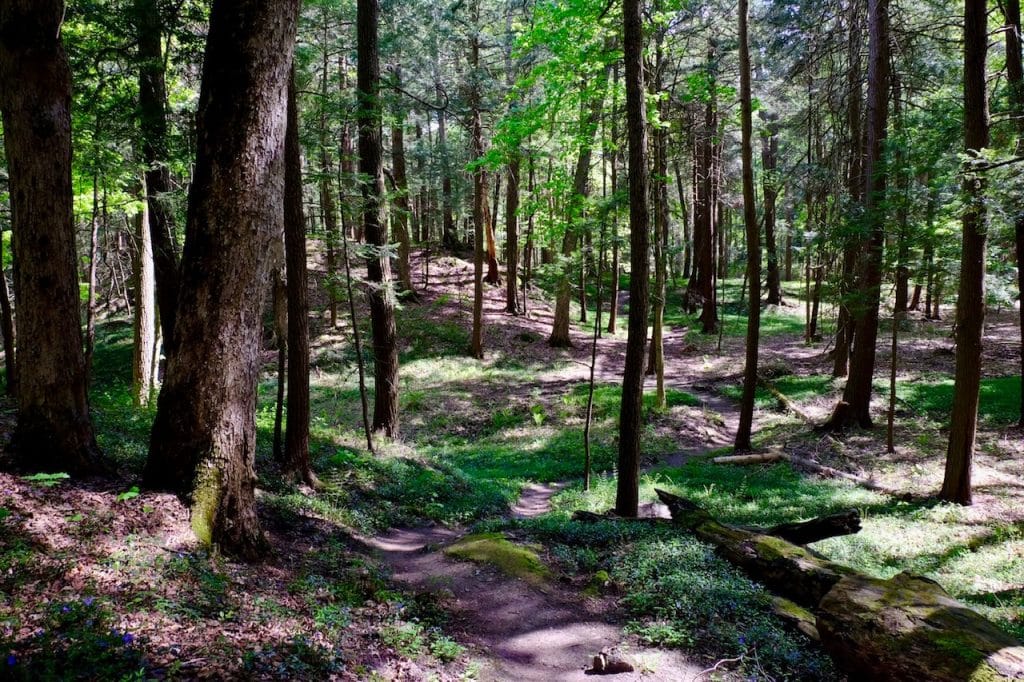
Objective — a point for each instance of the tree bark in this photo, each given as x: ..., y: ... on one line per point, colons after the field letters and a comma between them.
x: 743, y: 433
x: 970, y: 303
x: 203, y: 443
x: 512, y: 235
x: 855, y: 408
x: 1015, y: 76
x: 296, y: 449
x: 630, y: 414
x: 769, y: 162
x: 378, y: 262
x: 402, y: 210
x: 7, y: 326
x: 143, y: 381
x: 480, y: 227
x: 153, y: 125
x: 53, y: 431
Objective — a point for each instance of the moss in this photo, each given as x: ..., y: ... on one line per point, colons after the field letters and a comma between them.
x: 497, y: 550
x: 205, y: 502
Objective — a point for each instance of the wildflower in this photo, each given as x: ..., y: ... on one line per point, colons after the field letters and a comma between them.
x: 65, y: 609
x: 88, y: 601
x: 12, y: 659
x: 128, y: 638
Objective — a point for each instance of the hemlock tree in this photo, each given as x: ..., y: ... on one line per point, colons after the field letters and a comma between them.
x: 753, y: 239
x: 54, y: 431
x: 970, y: 304
x: 203, y: 442
x: 371, y: 167
x: 630, y: 413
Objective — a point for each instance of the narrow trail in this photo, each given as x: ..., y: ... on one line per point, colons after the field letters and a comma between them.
x: 523, y: 632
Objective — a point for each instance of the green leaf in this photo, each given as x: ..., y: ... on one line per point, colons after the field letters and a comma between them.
x: 128, y: 494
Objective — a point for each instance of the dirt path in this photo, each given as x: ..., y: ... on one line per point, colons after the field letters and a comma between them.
x: 517, y: 630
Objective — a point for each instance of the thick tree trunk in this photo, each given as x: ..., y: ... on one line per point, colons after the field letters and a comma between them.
x: 753, y: 231
x: 378, y: 263
x: 630, y: 414
x: 153, y: 125
x: 327, y: 204
x: 476, y: 348
x: 296, y: 450
x: 970, y: 302
x: 855, y: 408
x: 53, y: 432
x: 613, y: 290
x: 143, y: 381
x: 203, y: 443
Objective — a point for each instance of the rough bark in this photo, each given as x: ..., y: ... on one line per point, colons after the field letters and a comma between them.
x: 378, y: 263
x: 7, y: 326
x: 296, y: 449
x: 970, y: 303
x: 855, y: 408
x: 402, y: 209
x: 630, y: 427
x: 203, y: 443
x: 769, y: 163
x: 753, y: 231
x: 153, y: 126
x: 476, y: 348
x: 512, y: 236
x: 53, y: 431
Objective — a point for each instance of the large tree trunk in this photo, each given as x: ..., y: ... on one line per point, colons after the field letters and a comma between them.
x: 203, y: 443
x: 476, y: 348
x: 54, y: 432
x: 753, y: 231
x: 970, y: 302
x: 1015, y: 76
x: 143, y: 381
x: 153, y: 125
x: 371, y: 167
x: 855, y: 408
x: 296, y: 449
x: 327, y: 205
x: 630, y: 413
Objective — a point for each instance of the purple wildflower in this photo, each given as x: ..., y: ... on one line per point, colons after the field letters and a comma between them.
x: 128, y: 638
x: 12, y: 659
x: 88, y: 601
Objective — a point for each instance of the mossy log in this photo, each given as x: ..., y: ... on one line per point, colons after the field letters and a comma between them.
x: 905, y: 628
x: 909, y: 628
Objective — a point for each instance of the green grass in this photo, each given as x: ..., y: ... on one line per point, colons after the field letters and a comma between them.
x: 999, y: 398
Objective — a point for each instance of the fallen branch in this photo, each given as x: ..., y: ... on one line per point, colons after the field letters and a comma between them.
x: 750, y: 459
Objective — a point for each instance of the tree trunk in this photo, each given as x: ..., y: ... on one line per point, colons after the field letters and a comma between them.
x: 378, y: 263
x: 855, y: 408
x: 753, y: 231
x: 327, y: 205
x: 630, y: 414
x: 296, y: 450
x: 476, y: 348
x: 613, y: 290
x: 53, y: 431
x: 203, y: 443
x: 1015, y: 76
x: 512, y: 235
x: 143, y: 382
x: 7, y: 326
x: 590, y: 116
x: 769, y: 162
x: 153, y: 126
x: 970, y: 302
x: 402, y: 210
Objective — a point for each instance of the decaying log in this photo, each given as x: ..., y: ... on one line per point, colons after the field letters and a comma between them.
x: 905, y: 628
x: 796, y: 616
x: 750, y: 459
x: 783, y: 399
x: 909, y: 628
x: 806, y: 532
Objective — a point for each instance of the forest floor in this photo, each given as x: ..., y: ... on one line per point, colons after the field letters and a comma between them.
x: 99, y: 580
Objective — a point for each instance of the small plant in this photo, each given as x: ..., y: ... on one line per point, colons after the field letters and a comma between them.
x: 46, y: 480
x: 538, y: 414
x: 129, y: 494
x: 445, y: 649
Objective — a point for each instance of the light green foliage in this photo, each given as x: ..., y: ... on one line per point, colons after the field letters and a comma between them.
x: 495, y: 549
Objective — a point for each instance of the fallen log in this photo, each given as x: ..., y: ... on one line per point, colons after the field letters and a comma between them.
x: 820, y: 528
x: 905, y: 628
x: 909, y: 628
x: 750, y: 459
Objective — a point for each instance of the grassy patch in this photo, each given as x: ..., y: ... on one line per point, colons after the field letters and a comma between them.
x: 1000, y: 398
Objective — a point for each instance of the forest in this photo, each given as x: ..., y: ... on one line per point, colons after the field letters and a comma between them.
x: 511, y: 340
